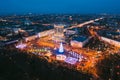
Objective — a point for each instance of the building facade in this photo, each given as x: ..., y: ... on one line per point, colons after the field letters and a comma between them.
x: 58, y: 33
x: 80, y: 42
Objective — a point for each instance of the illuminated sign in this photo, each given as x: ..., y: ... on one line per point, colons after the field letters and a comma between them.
x: 38, y: 50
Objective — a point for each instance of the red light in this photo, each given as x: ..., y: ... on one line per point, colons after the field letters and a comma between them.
x: 117, y: 66
x: 118, y: 73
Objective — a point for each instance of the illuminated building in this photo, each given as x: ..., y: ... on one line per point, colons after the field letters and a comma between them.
x: 111, y: 41
x: 21, y: 46
x: 69, y: 33
x: 60, y: 56
x: 58, y: 33
x: 30, y: 38
x: 40, y: 34
x: 110, y: 37
x: 79, y: 41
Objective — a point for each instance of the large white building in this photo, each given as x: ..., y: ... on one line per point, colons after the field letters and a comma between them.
x: 110, y: 37
x: 58, y: 33
x: 40, y: 34
x: 110, y: 41
x: 80, y: 41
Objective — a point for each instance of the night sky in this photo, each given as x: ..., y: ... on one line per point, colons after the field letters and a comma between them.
x: 59, y: 6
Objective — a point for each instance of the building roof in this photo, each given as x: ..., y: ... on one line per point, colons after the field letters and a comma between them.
x: 80, y: 38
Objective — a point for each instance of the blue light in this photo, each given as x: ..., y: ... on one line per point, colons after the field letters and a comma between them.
x: 61, y: 50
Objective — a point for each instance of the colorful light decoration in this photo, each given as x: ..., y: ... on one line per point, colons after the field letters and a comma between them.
x: 21, y: 46
x: 71, y: 60
x: 61, y: 57
x: 61, y: 49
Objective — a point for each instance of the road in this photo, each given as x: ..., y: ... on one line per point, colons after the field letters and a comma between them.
x: 85, y: 23
x: 48, y: 32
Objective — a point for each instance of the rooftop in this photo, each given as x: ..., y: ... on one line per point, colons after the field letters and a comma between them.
x: 81, y: 38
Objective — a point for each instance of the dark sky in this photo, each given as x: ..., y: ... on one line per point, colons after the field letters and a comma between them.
x: 60, y: 6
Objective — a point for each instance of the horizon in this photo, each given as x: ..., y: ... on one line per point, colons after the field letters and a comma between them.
x: 20, y: 14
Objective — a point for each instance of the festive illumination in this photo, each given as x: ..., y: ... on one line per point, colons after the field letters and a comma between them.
x: 21, y: 46
x: 38, y: 35
x: 60, y: 57
x: 61, y: 50
x: 71, y: 60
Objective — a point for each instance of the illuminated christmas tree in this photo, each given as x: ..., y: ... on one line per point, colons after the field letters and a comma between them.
x: 61, y: 50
